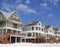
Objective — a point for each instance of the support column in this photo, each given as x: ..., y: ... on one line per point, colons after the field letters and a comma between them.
x: 35, y: 34
x: 2, y: 32
x: 15, y: 39
x: 6, y: 30
x: 32, y: 34
x: 20, y: 40
x: 11, y: 30
x: 38, y: 40
x: 17, y: 32
x: 38, y: 34
x: 25, y: 39
x: 10, y: 39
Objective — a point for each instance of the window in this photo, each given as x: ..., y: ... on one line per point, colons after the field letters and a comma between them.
x: 58, y: 33
x: 50, y: 30
x: 9, y: 24
x: 46, y: 35
x: 29, y: 34
x: 36, y: 28
x: 42, y: 29
x: 14, y: 25
x: 19, y: 26
x: 55, y: 32
x: 39, y: 23
x: 32, y: 28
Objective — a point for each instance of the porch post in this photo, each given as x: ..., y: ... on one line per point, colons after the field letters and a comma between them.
x: 12, y: 31
x: 17, y: 32
x: 35, y: 34
x: 15, y: 39
x: 10, y: 39
x: 2, y: 32
x: 32, y: 34
x: 20, y: 39
x: 6, y: 30
x: 25, y: 39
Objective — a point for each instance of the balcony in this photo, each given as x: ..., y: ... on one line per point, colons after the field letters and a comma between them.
x: 20, y: 34
x: 40, y: 36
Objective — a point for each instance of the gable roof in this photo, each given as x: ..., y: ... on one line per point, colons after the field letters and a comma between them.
x: 56, y: 29
x: 47, y: 26
x: 6, y: 14
x: 32, y: 23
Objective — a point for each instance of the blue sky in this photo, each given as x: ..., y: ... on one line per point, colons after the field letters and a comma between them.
x: 46, y: 11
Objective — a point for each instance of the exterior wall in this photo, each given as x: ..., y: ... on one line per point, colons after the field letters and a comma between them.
x: 57, y: 34
x: 35, y: 32
x: 27, y: 29
x: 9, y: 24
x: 11, y: 27
x: 19, y: 26
x: 2, y: 23
x: 49, y: 33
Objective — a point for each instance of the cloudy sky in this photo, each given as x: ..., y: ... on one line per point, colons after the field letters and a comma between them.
x: 46, y: 11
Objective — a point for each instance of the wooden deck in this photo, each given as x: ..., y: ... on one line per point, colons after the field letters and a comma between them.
x: 6, y: 37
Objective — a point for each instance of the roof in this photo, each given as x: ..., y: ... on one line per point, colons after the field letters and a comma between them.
x: 7, y: 14
x: 56, y: 29
x: 32, y: 23
x: 48, y: 26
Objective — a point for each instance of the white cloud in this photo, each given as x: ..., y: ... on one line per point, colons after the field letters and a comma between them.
x: 50, y: 15
x: 27, y: 1
x: 46, y: 6
x: 19, y: 7
x: 18, y: 1
x: 54, y: 2
x: 6, y: 7
x: 43, y: 4
x: 25, y: 8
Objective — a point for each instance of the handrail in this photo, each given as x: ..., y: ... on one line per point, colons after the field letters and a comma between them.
x: 14, y: 33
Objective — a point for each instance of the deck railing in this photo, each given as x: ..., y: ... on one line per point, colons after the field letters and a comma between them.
x: 21, y: 34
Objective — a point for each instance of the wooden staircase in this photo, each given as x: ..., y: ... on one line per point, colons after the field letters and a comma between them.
x: 4, y: 38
